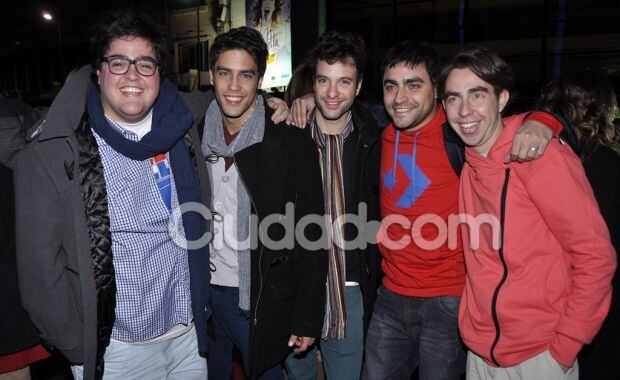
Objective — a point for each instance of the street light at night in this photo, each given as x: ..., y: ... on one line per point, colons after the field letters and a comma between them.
x: 47, y: 16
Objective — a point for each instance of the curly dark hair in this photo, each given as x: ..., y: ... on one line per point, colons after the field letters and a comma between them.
x: 483, y: 62
x: 339, y: 46
x: 242, y: 38
x: 586, y: 99
x: 413, y: 53
x: 127, y: 22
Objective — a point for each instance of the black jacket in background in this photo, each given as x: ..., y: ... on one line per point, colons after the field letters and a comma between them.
x: 16, y: 331
x: 602, y: 166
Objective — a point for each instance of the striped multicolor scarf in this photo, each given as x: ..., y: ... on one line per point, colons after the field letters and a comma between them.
x: 330, y: 156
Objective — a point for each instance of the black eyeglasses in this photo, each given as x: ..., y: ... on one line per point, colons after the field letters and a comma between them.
x: 119, y: 65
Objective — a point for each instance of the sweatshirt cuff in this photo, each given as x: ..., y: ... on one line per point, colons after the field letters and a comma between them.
x: 564, y: 349
x: 547, y: 119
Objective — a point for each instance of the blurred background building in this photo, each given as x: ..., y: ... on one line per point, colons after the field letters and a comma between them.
x: 41, y: 41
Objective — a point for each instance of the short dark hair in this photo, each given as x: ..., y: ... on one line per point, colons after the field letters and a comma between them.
x: 242, y: 38
x: 127, y: 22
x: 413, y: 53
x: 339, y: 46
x: 483, y: 62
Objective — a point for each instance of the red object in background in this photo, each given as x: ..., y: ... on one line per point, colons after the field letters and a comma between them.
x: 238, y: 372
x: 21, y: 359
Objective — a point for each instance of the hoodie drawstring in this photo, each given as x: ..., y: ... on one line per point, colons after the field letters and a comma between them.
x: 395, y: 154
x: 413, y: 156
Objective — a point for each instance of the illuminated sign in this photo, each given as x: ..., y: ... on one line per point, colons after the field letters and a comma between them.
x: 273, y: 19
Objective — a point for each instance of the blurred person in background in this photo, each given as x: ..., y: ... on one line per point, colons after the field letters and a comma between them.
x: 301, y: 83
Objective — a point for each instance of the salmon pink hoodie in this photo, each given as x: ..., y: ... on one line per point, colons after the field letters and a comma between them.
x: 546, y: 285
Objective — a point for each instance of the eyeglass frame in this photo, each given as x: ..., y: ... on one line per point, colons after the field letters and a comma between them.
x: 131, y: 62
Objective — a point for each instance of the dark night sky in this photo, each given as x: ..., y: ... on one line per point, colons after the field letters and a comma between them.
x: 22, y: 27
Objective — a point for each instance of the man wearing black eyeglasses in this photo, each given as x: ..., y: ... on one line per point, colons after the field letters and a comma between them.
x: 107, y: 270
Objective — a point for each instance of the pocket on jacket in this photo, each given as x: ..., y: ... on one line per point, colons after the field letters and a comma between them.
x: 556, y: 285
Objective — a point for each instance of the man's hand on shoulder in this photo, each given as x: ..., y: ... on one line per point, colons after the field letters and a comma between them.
x: 301, y: 343
x: 529, y: 142
x: 281, y: 111
x: 300, y: 110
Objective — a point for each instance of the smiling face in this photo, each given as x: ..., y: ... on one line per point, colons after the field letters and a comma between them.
x: 473, y: 109
x: 409, y: 96
x: 128, y: 98
x: 335, y: 89
x: 236, y: 82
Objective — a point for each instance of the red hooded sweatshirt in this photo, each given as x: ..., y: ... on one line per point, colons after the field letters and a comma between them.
x: 417, y: 179
x: 546, y: 283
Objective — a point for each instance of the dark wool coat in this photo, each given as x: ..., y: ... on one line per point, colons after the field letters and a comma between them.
x: 288, y: 286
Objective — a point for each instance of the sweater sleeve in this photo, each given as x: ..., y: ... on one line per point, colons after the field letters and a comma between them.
x: 547, y: 119
x: 561, y: 192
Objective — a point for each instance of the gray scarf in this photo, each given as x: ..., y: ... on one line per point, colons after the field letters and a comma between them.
x: 213, y: 143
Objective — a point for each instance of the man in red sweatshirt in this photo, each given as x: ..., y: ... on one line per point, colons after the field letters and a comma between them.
x: 414, y: 322
x: 538, y: 282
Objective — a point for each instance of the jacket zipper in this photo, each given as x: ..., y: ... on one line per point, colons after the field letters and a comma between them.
x: 260, y: 289
x: 260, y: 255
x: 505, y: 267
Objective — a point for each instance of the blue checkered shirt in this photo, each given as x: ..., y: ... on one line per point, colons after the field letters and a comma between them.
x: 152, y: 272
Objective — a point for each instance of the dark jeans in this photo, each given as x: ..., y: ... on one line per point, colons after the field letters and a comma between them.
x: 232, y: 328
x: 407, y: 332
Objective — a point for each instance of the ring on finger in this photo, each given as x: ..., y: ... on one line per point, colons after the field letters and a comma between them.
x: 533, y: 149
